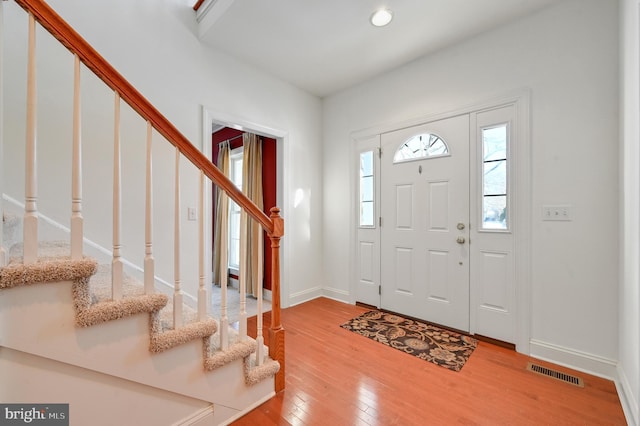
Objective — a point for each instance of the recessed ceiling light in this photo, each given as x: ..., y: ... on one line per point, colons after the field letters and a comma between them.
x: 381, y: 17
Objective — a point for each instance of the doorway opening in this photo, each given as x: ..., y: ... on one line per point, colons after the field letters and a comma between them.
x: 234, y: 137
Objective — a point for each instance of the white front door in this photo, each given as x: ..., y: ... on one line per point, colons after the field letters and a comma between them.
x: 424, y: 204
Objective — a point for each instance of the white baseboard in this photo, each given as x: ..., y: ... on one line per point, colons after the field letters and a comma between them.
x: 201, y: 417
x: 627, y: 400
x: 577, y: 360
x: 336, y: 294
x: 305, y: 296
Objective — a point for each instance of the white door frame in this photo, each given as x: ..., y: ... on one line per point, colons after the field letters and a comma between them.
x: 211, y: 116
x: 521, y: 198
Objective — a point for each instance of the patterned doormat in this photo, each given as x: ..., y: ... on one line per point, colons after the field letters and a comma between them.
x: 439, y: 346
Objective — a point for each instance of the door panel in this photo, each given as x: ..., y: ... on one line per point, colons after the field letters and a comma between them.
x: 404, y: 207
x: 424, y: 270
x: 367, y: 262
x: 493, y: 279
x: 438, y: 206
x: 438, y: 266
x: 403, y: 271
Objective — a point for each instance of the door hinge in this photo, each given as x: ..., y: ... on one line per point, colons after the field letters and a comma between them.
x: 379, y: 152
x: 379, y: 290
x: 380, y: 221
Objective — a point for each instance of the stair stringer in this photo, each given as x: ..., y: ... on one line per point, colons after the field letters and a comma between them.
x: 40, y: 319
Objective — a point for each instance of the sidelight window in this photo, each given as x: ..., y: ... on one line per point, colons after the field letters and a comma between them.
x: 495, y: 196
x: 367, y: 188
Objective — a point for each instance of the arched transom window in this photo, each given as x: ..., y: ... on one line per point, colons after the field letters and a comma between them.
x: 418, y: 147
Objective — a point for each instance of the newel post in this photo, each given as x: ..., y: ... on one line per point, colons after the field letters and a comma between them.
x: 276, y: 331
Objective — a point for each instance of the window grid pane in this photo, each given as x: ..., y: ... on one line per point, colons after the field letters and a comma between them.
x: 495, y: 178
x: 366, y: 188
x: 366, y: 213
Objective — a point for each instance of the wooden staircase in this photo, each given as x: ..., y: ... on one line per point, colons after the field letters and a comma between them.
x: 60, y: 305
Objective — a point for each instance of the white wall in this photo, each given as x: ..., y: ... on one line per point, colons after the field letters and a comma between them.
x: 154, y: 45
x: 629, y: 300
x: 568, y: 56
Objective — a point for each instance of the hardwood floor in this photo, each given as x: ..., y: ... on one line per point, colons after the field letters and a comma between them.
x: 336, y: 377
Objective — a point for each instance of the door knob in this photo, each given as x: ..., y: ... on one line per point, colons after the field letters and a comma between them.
x: 460, y: 240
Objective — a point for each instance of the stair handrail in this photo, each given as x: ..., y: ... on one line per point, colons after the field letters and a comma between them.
x: 273, y: 224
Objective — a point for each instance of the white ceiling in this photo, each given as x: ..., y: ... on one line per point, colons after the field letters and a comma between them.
x: 324, y: 46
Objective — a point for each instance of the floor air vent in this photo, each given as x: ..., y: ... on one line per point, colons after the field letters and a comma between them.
x: 558, y: 375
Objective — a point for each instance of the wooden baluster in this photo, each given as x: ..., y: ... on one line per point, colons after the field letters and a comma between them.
x: 149, y: 262
x: 276, y: 331
x: 203, y: 299
x: 177, y: 294
x: 30, y: 222
x: 3, y: 252
x: 116, y: 262
x: 76, y: 173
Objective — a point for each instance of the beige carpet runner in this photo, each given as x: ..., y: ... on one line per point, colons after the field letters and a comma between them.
x: 437, y: 345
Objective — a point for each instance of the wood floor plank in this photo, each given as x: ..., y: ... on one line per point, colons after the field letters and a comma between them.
x: 336, y: 377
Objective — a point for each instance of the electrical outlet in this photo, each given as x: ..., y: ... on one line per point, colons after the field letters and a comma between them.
x: 191, y: 213
x: 561, y: 212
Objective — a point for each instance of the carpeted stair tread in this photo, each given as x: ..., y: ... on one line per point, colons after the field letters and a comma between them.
x: 112, y: 310
x: 189, y: 316
x: 100, y: 290
x: 163, y: 340
x: 45, y: 270
x: 47, y: 250
x: 238, y: 350
x: 254, y: 373
x: 100, y: 285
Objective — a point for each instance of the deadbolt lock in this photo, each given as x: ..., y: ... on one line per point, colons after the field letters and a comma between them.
x: 460, y: 226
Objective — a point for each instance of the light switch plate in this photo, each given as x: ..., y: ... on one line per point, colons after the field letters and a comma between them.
x: 558, y: 212
x: 191, y: 213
